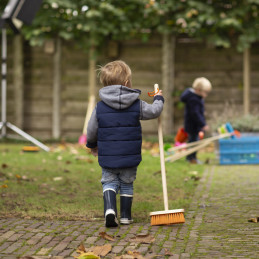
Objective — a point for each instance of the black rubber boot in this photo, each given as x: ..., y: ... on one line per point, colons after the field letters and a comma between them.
x: 110, y: 210
x: 125, y: 205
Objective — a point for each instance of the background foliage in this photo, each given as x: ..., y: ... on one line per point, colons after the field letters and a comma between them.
x: 89, y: 22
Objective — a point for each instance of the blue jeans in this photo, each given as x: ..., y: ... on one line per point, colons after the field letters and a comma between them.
x: 119, y: 180
x: 192, y: 138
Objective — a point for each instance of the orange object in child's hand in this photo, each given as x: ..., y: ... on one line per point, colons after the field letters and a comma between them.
x: 153, y: 93
x: 201, y: 134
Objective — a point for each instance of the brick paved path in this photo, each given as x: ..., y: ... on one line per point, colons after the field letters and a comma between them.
x: 216, y: 226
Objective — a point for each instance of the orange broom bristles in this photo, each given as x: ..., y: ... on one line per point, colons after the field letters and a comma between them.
x: 167, y: 217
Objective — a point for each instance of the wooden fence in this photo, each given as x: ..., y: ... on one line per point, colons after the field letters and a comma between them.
x: 223, y: 67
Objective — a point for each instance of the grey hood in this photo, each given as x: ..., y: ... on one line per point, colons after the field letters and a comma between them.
x: 119, y: 96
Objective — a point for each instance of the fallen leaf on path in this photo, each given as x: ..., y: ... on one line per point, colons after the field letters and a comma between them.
x: 96, y: 250
x: 101, y: 250
x: 131, y: 255
x: 135, y: 254
x: 167, y: 252
x: 88, y: 255
x: 4, y: 186
x: 106, y: 236
x: 81, y: 248
x: 145, y: 239
x: 254, y: 220
x: 41, y: 257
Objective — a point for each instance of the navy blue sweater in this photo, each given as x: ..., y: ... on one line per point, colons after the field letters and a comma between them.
x: 194, y: 119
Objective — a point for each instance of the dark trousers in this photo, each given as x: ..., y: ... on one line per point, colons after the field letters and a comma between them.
x: 192, y: 137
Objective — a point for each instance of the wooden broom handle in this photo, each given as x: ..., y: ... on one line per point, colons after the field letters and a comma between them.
x: 90, y: 108
x: 162, y: 158
x: 162, y: 162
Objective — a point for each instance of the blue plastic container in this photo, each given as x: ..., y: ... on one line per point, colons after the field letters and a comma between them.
x: 244, y: 150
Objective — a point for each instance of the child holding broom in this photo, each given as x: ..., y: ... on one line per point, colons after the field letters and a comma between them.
x: 194, y: 119
x: 114, y: 135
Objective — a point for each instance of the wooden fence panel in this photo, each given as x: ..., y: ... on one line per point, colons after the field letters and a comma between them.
x: 223, y: 67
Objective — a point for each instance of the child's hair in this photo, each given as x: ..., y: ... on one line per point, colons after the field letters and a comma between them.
x: 202, y: 83
x: 115, y: 73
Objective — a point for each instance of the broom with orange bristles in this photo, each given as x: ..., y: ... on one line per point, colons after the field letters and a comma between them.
x: 166, y: 217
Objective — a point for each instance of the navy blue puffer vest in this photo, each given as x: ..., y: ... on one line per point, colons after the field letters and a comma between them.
x: 119, y: 136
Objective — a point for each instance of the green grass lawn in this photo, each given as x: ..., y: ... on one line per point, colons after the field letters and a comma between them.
x: 65, y: 184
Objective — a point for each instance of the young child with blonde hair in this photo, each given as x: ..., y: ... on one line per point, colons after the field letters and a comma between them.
x: 114, y: 135
x: 194, y: 119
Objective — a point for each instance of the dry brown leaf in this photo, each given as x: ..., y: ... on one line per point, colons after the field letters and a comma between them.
x: 95, y: 250
x: 130, y: 255
x: 88, y: 255
x: 254, y: 220
x: 145, y: 239
x: 85, y: 158
x: 135, y: 254
x: 4, y: 166
x: 106, y: 236
x: 41, y: 257
x: 81, y: 248
x: 124, y: 257
x: 101, y: 250
x: 167, y: 252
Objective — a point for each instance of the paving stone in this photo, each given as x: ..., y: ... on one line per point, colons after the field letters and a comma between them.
x: 14, y: 237
x: 63, y: 244
x: 117, y: 249
x: 6, y: 235
x: 12, y: 248
x: 66, y: 252
x: 4, y: 246
x: 43, y: 251
x: 91, y: 240
x: 143, y: 249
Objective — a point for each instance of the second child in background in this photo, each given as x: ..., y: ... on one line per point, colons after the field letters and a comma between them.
x: 194, y: 119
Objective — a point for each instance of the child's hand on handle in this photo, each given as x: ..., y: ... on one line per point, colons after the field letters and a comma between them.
x: 94, y: 151
x: 157, y: 91
x: 205, y: 128
x: 160, y: 92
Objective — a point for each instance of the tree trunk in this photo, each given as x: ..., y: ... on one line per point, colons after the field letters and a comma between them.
x: 168, y: 63
x: 18, y: 80
x: 246, y: 80
x: 91, y: 86
x: 92, y: 73
x: 56, y: 90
